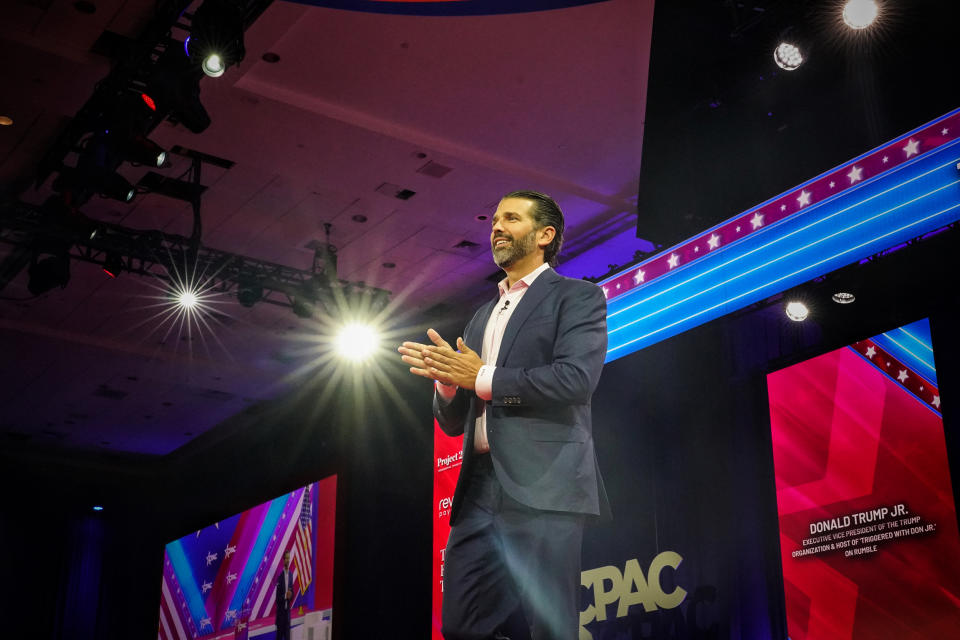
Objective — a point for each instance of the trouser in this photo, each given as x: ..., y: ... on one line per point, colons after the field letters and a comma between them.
x: 503, y: 556
x: 283, y: 627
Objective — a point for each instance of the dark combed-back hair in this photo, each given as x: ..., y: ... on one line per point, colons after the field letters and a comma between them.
x: 546, y: 213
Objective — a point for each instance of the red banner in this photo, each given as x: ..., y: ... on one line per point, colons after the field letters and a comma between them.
x: 447, y: 457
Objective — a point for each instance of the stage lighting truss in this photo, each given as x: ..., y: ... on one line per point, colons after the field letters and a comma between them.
x: 158, y: 254
x: 154, y: 80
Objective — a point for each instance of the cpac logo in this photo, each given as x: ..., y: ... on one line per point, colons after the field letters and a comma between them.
x: 629, y: 588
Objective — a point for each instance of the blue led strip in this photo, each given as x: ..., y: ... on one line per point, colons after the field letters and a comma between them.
x: 912, y: 198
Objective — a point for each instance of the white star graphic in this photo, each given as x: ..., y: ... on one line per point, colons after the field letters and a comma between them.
x: 921, y: 387
x: 871, y: 351
x: 804, y: 198
x: 696, y: 249
x: 944, y: 131
x: 639, y: 276
x: 757, y: 220
x: 886, y: 159
x: 738, y: 228
x: 618, y: 285
x: 783, y: 207
x: 936, y: 401
x: 606, y: 292
x: 912, y: 147
x: 673, y: 260
x: 714, y: 241
x: 903, y: 375
x: 856, y: 174
x: 832, y: 184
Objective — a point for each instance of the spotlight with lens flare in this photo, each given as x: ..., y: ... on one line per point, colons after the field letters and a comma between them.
x: 187, y: 299
x: 860, y: 14
x: 213, y: 65
x: 797, y: 311
x: 357, y: 342
x: 216, y: 36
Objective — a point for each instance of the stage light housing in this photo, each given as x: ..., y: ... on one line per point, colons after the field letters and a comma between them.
x: 302, y: 308
x: 213, y: 65
x: 141, y: 150
x: 788, y: 56
x: 249, y: 290
x: 860, y: 14
x: 49, y: 272
x: 113, y: 265
x: 843, y: 297
x: 113, y: 185
x: 175, y: 90
x: 797, y: 311
x: 357, y: 341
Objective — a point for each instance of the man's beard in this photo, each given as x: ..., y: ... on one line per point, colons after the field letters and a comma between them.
x: 508, y: 254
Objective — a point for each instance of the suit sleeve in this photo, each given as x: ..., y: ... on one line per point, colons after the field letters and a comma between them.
x: 451, y: 414
x: 579, y: 351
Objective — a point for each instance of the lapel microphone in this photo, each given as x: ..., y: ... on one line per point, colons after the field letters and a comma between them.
x: 506, y: 304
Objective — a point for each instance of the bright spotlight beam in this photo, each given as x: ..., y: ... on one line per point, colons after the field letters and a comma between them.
x: 860, y: 14
x: 357, y: 342
x: 187, y: 299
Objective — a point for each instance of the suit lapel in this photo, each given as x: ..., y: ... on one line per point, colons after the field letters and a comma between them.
x: 530, y: 301
x: 474, y: 335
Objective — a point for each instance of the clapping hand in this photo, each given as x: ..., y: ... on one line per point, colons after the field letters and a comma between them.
x: 441, y: 362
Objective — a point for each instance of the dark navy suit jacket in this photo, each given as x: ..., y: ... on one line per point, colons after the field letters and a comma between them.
x: 538, y: 421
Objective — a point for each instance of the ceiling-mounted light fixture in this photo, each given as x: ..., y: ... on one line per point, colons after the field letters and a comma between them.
x: 216, y: 36
x: 788, y: 56
x: 797, y: 311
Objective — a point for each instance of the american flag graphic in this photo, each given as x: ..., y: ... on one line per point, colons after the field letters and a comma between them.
x: 302, y: 552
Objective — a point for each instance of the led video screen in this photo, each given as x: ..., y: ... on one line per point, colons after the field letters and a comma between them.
x: 868, y: 526
x: 224, y: 580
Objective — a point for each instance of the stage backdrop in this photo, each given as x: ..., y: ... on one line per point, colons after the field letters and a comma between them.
x: 868, y: 527
x: 220, y: 582
x: 685, y: 444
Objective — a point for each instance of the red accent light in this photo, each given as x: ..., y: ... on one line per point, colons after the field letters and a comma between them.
x: 112, y: 275
x: 149, y: 101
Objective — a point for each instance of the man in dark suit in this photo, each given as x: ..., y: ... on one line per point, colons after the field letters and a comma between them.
x: 284, y: 599
x: 518, y: 387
